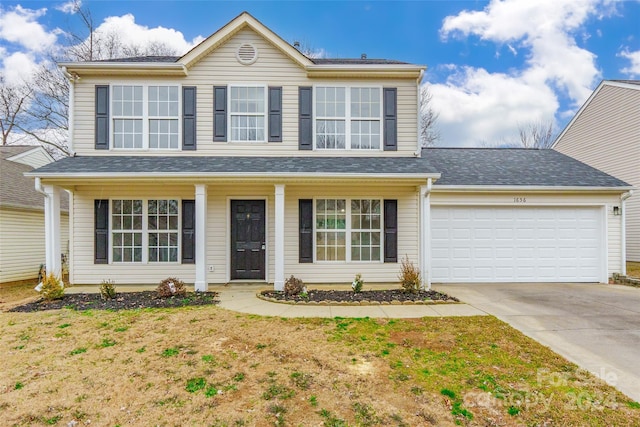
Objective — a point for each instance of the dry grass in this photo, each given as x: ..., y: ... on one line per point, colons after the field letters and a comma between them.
x: 209, y: 366
x: 13, y: 292
x: 633, y: 269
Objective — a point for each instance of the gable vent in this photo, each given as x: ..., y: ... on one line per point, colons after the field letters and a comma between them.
x: 247, y: 54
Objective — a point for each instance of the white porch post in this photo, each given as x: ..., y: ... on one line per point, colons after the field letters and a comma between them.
x: 201, y: 284
x: 278, y: 283
x: 52, y: 230
x: 425, y: 234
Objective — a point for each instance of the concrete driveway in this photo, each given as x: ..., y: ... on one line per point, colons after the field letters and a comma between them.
x: 595, y: 326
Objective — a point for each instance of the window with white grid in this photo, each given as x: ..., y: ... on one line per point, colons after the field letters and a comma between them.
x: 366, y: 230
x: 331, y: 230
x: 348, y: 118
x: 163, y: 230
x: 126, y: 223
x: 163, y: 117
x: 127, y: 111
x: 247, y: 110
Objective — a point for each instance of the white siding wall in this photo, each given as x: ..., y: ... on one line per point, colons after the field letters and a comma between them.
x: 22, y: 245
x: 606, y: 201
x: 271, y: 69
x: 219, y: 195
x: 34, y: 158
x: 607, y: 136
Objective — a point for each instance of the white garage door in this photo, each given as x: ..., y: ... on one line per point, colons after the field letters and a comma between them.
x: 522, y: 244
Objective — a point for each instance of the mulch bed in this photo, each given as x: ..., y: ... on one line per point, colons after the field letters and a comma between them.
x: 375, y: 296
x: 122, y: 301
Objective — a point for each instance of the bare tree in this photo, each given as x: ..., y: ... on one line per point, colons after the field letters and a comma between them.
x: 14, y: 102
x: 428, y: 117
x: 536, y: 134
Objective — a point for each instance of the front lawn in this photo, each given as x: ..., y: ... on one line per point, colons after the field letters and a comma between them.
x: 209, y: 366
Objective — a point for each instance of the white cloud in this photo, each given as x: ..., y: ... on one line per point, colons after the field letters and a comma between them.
x: 69, y: 7
x: 140, y: 35
x: 476, y: 105
x: 634, y: 57
x: 21, y: 26
x: 18, y: 67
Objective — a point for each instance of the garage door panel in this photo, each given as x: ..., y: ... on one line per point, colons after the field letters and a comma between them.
x: 481, y: 244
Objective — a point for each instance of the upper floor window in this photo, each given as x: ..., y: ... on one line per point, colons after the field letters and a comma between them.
x: 348, y: 118
x: 247, y: 110
x: 145, y: 117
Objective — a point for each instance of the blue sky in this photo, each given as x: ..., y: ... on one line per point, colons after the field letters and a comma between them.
x: 492, y: 65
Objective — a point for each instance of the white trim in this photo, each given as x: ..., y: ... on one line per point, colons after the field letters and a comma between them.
x: 604, y: 247
x: 52, y: 230
x: 347, y: 118
x: 201, y: 283
x: 424, y: 199
x: 71, y: 221
x: 166, y: 175
x: 597, y: 90
x: 623, y: 234
x: 278, y: 282
x: 266, y: 237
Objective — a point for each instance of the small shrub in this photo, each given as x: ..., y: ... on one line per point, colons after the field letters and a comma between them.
x: 170, y: 287
x: 107, y: 289
x: 409, y: 276
x: 357, y: 283
x: 51, y: 288
x: 293, y: 286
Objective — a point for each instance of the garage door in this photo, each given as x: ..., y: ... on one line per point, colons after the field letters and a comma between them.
x: 522, y: 244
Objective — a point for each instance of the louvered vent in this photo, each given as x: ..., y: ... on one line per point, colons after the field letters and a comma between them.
x: 247, y: 54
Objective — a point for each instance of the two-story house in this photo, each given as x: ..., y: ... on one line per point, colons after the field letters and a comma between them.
x: 246, y: 160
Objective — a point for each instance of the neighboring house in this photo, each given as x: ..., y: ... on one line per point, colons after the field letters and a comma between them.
x: 22, y: 229
x: 605, y: 133
x: 245, y: 160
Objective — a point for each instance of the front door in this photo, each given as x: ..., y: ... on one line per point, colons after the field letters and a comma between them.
x: 247, y: 239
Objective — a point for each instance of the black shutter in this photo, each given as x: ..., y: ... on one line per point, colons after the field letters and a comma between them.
x: 275, y: 114
x: 390, y: 231
x: 188, y: 231
x: 219, y: 113
x: 189, y: 118
x: 305, y: 118
x: 305, y: 211
x: 102, y: 118
x: 390, y: 119
x: 101, y: 232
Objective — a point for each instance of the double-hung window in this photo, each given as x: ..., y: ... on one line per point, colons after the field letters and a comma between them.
x: 145, y: 117
x: 247, y: 111
x: 348, y: 230
x: 144, y: 230
x: 348, y: 118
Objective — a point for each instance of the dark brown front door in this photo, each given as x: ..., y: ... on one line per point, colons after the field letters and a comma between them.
x: 247, y: 239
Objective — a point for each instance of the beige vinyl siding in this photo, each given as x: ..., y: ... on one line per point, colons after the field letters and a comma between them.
x: 611, y: 232
x: 22, y: 246
x: 272, y: 68
x: 606, y: 135
x: 35, y: 158
x: 219, y: 195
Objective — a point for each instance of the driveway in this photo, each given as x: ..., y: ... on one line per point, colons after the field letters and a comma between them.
x: 595, y: 326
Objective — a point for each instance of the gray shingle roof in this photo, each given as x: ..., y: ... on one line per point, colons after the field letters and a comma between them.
x: 17, y: 190
x: 514, y: 167
x: 319, y: 61
x: 307, y: 166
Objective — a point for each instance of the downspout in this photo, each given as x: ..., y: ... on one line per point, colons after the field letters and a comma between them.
x: 418, y: 151
x: 623, y: 235
x: 72, y: 80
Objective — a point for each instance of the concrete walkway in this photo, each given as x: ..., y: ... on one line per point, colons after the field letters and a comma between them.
x: 595, y: 326
x: 242, y: 298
